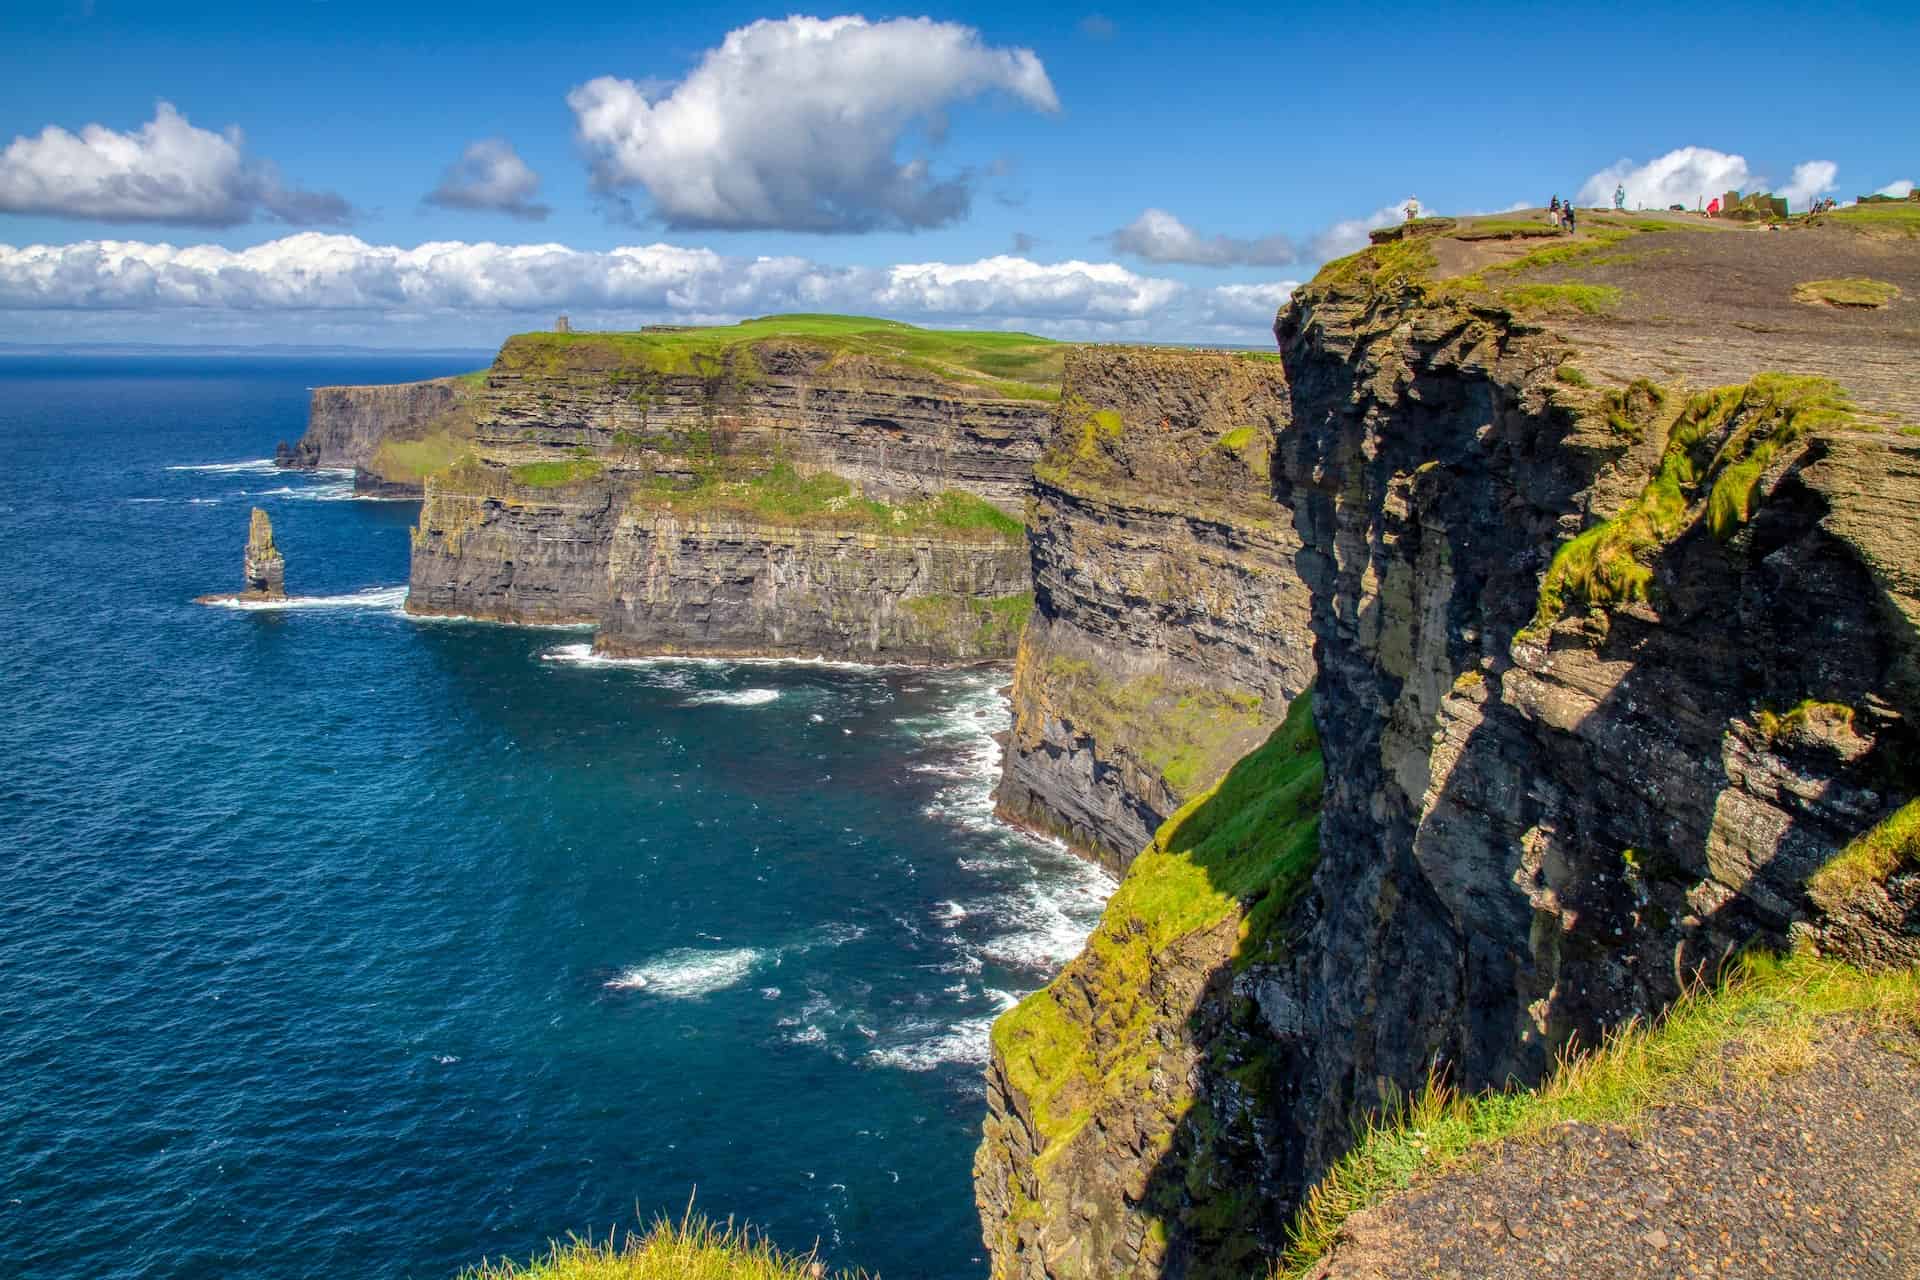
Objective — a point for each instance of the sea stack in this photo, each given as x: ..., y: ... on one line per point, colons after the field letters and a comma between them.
x: 264, y: 567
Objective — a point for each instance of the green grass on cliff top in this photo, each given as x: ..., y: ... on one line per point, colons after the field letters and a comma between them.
x: 821, y: 499
x: 693, y: 1249
x: 1019, y: 366
x: 1762, y: 1021
x: 1247, y: 843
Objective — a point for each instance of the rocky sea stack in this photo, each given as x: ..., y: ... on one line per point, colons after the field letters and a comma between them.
x: 263, y: 569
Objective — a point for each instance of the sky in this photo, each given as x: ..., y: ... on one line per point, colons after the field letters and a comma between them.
x: 427, y: 175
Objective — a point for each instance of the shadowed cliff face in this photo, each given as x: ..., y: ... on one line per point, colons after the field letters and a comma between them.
x: 1170, y: 629
x: 777, y: 497
x: 1534, y: 826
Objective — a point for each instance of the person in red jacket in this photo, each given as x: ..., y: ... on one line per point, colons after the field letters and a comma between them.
x: 1713, y: 207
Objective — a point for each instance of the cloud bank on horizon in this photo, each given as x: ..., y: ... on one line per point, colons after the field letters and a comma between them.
x: 1690, y: 176
x: 321, y: 273
x: 796, y: 124
x: 166, y: 171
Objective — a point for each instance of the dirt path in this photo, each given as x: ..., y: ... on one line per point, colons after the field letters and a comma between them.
x: 1814, y: 1175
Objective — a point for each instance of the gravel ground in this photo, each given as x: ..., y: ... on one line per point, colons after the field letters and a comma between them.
x: 1814, y: 1174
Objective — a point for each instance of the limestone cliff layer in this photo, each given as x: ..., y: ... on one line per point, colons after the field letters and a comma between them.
x: 1170, y: 628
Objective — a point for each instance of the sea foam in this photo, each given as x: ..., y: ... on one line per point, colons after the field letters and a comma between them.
x: 686, y: 973
x: 390, y: 599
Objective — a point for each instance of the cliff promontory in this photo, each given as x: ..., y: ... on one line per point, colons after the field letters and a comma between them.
x: 798, y: 485
x: 389, y: 436
x: 1611, y: 553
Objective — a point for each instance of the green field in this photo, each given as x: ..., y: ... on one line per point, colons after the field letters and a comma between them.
x: 1010, y: 365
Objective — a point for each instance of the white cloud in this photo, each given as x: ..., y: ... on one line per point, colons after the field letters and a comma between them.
x: 491, y: 176
x: 1016, y: 286
x: 166, y: 171
x: 1245, y: 304
x: 1159, y: 236
x: 1685, y: 176
x: 315, y: 272
x: 797, y: 123
x: 1350, y: 235
x: 1812, y: 179
x: 1898, y: 190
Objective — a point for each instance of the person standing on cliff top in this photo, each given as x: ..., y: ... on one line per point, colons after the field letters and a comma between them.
x: 1572, y: 230
x: 1413, y: 208
x: 1620, y: 198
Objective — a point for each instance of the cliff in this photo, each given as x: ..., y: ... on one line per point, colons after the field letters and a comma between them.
x: 1614, y: 612
x: 1170, y: 629
x: 798, y: 485
x: 390, y: 436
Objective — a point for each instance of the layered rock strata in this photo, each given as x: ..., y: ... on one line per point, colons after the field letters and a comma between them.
x: 1170, y: 629
x: 262, y: 567
x: 1565, y: 777
x: 778, y: 497
x: 347, y: 425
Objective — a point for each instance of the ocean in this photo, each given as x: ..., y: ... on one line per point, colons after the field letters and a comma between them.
x: 337, y: 943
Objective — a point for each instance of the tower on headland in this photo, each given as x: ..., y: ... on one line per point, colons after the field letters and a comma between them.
x: 562, y: 325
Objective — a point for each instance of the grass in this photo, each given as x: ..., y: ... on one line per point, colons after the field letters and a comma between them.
x: 412, y: 461
x: 557, y: 475
x: 1890, y: 846
x: 1848, y: 291
x: 1893, y: 215
x: 1180, y: 731
x: 1763, y: 1020
x: 1506, y: 229
x: 1008, y: 365
x: 1247, y: 845
x: 1776, y: 726
x: 692, y: 1249
x: 821, y: 499
x: 994, y: 623
x: 1588, y: 299
x: 1717, y: 450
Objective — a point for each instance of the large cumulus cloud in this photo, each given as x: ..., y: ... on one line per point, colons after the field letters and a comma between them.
x: 166, y: 171
x: 798, y: 124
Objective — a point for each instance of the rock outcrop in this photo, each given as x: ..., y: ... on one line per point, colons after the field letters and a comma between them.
x: 263, y: 570
x: 1565, y: 776
x: 1170, y: 629
x: 774, y: 493
x: 387, y: 435
x: 263, y: 567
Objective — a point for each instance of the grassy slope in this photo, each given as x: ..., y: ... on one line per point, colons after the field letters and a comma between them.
x: 1762, y: 1020
x: 1250, y: 839
x: 1009, y: 365
x: 693, y: 1249
x: 821, y: 499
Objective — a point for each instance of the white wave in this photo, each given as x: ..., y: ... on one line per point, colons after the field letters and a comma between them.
x: 584, y: 654
x: 203, y: 502
x: 964, y: 1042
x: 808, y: 1035
x: 688, y: 972
x: 387, y: 598
x: 252, y: 466
x: 949, y: 912
x: 733, y: 698
x: 1048, y: 921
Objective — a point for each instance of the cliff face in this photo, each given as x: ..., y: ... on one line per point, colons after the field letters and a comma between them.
x: 1565, y: 776
x: 731, y: 586
x: 347, y: 425
x: 764, y: 496
x: 1170, y: 630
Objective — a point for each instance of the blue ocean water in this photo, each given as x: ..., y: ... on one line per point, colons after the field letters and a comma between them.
x: 335, y: 943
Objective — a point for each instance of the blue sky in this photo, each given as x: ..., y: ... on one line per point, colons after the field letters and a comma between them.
x: 1256, y: 130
